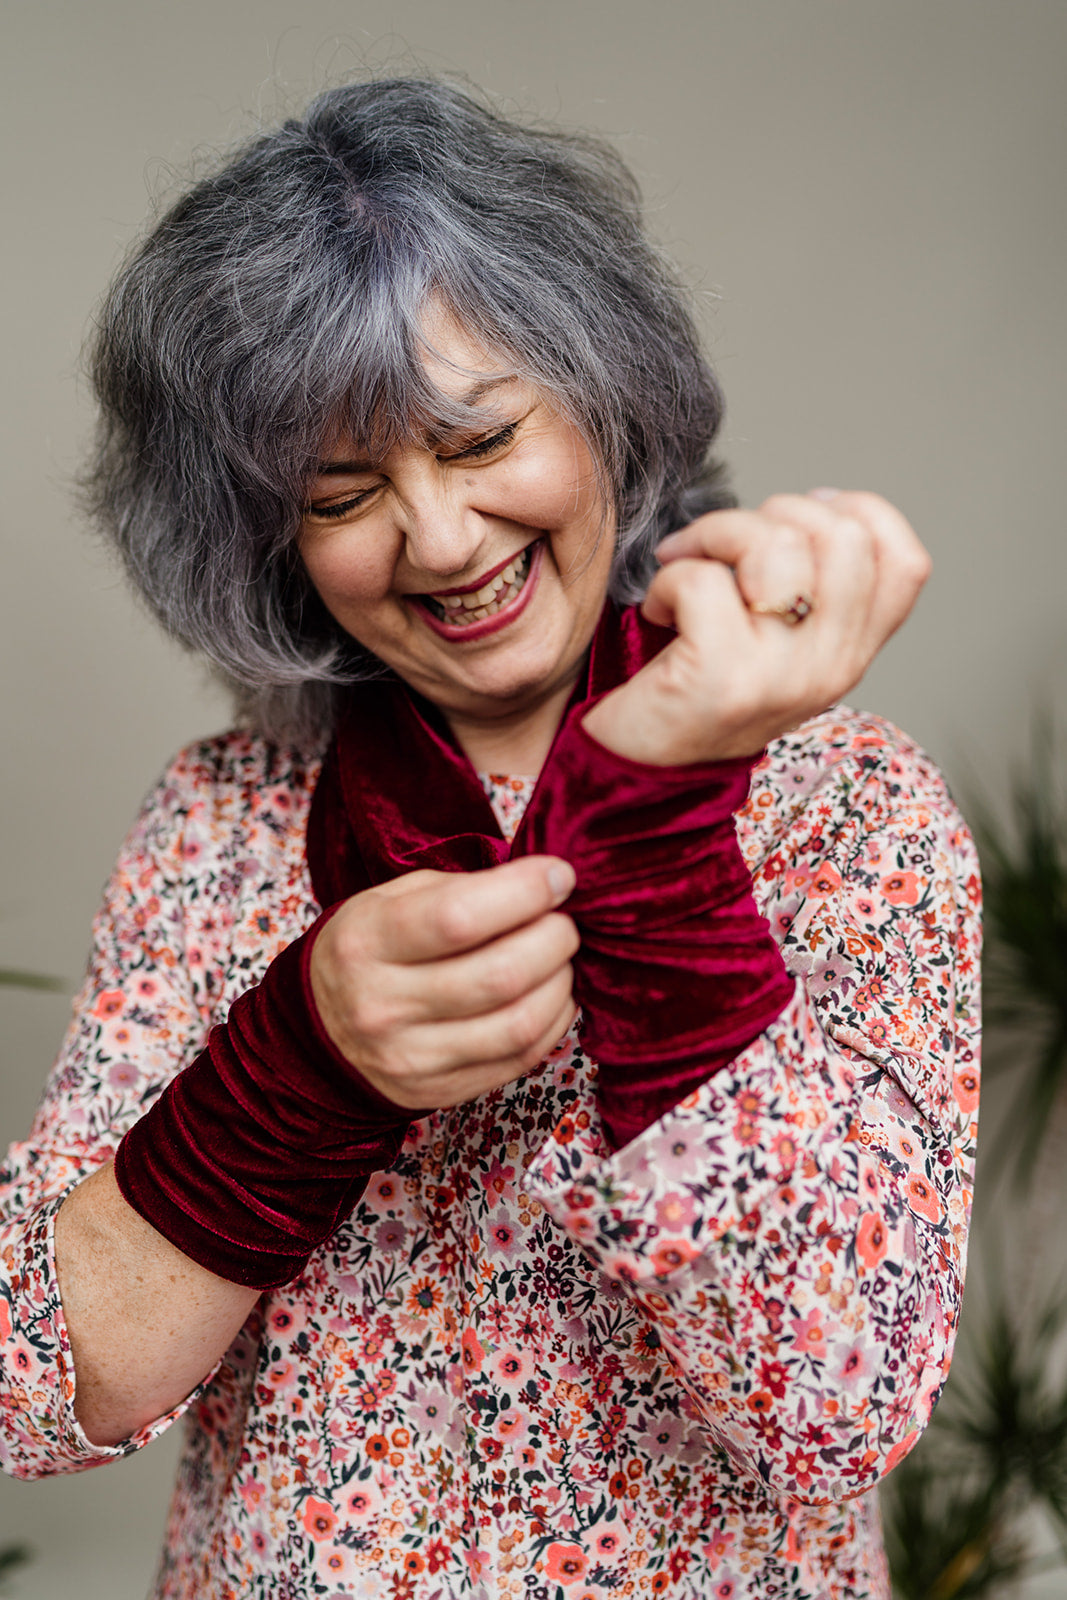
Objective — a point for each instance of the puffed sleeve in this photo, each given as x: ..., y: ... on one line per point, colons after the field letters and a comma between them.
x: 796, y: 1228
x: 144, y: 1010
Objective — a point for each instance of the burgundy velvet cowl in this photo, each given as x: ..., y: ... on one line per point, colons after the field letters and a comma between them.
x: 259, y: 1148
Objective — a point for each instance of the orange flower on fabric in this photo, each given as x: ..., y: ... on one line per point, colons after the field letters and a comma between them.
x: 872, y: 1239
x: 320, y: 1519
x: 565, y: 1563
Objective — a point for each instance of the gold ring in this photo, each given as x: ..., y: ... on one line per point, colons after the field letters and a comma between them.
x: 790, y: 611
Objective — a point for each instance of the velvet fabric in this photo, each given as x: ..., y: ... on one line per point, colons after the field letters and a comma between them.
x: 257, y: 1150
x: 677, y: 971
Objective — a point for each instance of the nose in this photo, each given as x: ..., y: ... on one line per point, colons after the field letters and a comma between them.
x: 442, y: 527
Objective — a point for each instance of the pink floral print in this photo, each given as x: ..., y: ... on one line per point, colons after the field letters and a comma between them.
x: 525, y: 1367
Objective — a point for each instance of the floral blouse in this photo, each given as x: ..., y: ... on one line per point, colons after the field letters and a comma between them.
x: 525, y: 1366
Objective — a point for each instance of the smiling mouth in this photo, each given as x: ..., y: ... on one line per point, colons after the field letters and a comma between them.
x: 461, y: 610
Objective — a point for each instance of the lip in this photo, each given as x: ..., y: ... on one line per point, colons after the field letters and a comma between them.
x: 479, y: 583
x: 470, y: 631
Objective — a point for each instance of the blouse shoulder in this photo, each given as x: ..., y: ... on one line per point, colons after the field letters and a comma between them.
x: 853, y: 759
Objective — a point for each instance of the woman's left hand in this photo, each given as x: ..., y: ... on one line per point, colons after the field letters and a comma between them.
x: 735, y: 678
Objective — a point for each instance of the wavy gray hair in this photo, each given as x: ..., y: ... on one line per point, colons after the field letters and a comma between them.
x: 282, y: 298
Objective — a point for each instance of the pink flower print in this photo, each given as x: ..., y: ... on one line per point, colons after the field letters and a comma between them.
x: 319, y: 1518
x: 872, y: 1240
x: 808, y: 1335
x: 717, y: 1547
x: 922, y: 1197
x: 502, y: 1236
x: 473, y: 1351
x: 511, y: 1425
x: 827, y: 881
x: 109, y: 1004
x: 286, y: 1321
x: 670, y: 1254
x: 565, y: 1563
x: 362, y: 1500
x: 965, y: 1083
x: 679, y: 1153
x: 901, y: 888
x: 796, y: 880
x: 390, y: 1235
x: 608, y: 1540
x: 252, y: 1492
x: 123, y: 1075
x: 19, y: 1358
x: 675, y: 1211
x: 282, y: 1375
x: 499, y: 1179
x: 863, y: 907
x: 384, y: 1191
x: 854, y: 1366
x: 477, y: 1561
x: 514, y: 1367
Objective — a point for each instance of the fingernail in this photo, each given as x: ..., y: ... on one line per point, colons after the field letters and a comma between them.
x: 561, y: 879
x: 823, y: 494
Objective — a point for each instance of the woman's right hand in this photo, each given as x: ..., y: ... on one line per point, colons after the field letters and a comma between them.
x: 440, y: 987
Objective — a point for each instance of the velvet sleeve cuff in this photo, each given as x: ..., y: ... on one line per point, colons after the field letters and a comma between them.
x: 262, y: 1145
x: 678, y: 971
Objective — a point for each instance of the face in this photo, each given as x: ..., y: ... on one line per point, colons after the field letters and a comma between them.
x: 475, y: 566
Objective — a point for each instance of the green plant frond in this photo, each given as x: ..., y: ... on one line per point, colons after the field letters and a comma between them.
x: 1024, y: 861
x: 944, y: 1535
x: 12, y: 1556
x: 12, y: 978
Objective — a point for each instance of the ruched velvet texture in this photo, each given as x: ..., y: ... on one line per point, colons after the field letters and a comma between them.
x: 677, y: 971
x: 259, y: 1148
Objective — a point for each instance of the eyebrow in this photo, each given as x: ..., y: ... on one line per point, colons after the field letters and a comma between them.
x: 338, y: 469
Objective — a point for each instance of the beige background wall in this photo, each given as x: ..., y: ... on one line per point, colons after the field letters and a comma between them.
x: 869, y: 196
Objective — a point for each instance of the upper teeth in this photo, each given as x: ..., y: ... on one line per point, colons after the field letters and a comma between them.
x: 472, y: 600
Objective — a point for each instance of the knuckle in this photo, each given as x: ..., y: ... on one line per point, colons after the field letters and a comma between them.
x: 779, y: 506
x: 524, y: 1028
x: 454, y: 921
x: 500, y: 977
x: 371, y: 1017
x: 568, y: 939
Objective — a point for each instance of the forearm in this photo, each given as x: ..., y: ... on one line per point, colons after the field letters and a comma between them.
x: 146, y: 1323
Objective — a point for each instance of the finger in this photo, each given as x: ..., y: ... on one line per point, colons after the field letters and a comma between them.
x: 700, y: 591
x: 454, y: 912
x: 491, y: 977
x: 770, y: 556
x: 904, y: 564
x: 870, y: 565
x: 446, y: 1063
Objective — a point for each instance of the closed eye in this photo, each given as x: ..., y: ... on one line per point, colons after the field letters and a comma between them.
x: 342, y: 508
x: 485, y: 447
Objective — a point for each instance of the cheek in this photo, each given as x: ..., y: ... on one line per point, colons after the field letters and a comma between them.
x: 554, y: 488
x: 347, y: 575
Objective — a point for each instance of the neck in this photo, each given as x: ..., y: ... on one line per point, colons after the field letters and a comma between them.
x: 517, y: 745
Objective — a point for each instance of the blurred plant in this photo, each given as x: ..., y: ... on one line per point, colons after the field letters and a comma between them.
x: 28, y: 980
x: 957, y: 1509
x: 996, y: 1449
x: 1024, y: 868
x: 11, y: 1556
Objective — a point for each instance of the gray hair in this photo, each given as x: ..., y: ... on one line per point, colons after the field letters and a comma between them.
x: 282, y: 298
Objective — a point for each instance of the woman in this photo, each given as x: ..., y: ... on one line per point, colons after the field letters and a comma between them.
x: 458, y: 1300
